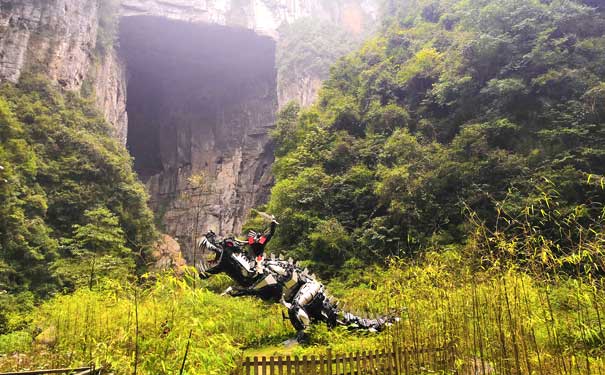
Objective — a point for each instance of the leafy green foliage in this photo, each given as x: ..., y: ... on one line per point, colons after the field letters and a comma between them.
x: 67, y: 191
x: 454, y: 107
x: 96, y: 249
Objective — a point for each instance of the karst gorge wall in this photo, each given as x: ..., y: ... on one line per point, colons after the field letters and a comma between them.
x: 191, y: 88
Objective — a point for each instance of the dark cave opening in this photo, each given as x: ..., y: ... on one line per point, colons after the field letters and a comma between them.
x: 192, y: 90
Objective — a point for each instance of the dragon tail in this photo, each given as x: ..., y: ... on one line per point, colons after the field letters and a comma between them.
x: 347, y: 319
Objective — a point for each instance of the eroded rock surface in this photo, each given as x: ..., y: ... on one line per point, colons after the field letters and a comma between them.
x: 167, y: 255
x: 56, y: 38
x: 266, y: 17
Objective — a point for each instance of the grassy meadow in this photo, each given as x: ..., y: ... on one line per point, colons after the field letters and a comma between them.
x: 497, y: 321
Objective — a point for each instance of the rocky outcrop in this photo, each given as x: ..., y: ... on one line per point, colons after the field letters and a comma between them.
x: 303, y: 90
x: 266, y: 17
x: 167, y: 255
x: 109, y: 80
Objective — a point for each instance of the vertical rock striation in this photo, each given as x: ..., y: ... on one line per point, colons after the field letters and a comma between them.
x: 56, y: 38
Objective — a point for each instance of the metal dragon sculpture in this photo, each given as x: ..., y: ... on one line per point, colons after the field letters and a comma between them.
x: 276, y: 280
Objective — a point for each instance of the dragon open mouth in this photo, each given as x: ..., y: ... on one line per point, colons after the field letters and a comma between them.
x: 210, y: 256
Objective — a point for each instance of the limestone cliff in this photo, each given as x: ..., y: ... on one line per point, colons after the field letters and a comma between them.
x: 263, y: 16
x: 54, y: 37
x: 192, y: 90
x: 58, y: 38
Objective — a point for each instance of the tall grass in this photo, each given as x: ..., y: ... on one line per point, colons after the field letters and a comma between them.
x: 100, y: 327
x: 525, y: 295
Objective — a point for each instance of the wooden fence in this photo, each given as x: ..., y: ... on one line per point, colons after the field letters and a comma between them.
x: 394, y: 361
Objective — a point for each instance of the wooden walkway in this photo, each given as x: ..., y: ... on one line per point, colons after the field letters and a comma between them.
x: 394, y: 361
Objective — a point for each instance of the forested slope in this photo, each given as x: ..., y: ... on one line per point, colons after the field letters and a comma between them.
x: 72, y: 211
x: 460, y: 113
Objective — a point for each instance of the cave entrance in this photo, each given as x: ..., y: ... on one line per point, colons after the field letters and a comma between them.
x: 201, y: 100
x: 188, y: 85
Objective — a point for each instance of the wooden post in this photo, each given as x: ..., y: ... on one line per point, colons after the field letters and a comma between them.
x: 305, y: 365
x: 247, y: 367
x: 382, y: 362
x: 272, y: 366
x: 329, y: 361
x: 389, y: 360
x: 288, y: 365
x: 358, y: 363
x: 364, y: 362
x: 376, y: 357
x: 296, y: 366
x: 256, y: 364
x: 264, y: 365
x: 322, y: 364
x: 280, y: 365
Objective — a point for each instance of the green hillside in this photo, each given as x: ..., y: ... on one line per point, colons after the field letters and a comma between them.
x: 457, y: 109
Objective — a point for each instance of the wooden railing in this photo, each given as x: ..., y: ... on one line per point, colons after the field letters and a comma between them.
x: 397, y: 360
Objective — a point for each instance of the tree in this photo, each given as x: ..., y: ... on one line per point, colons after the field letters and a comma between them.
x: 97, y: 249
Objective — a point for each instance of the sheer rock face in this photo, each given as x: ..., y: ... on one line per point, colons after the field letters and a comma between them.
x: 202, y: 109
x: 58, y: 38
x: 304, y: 91
x: 201, y: 103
